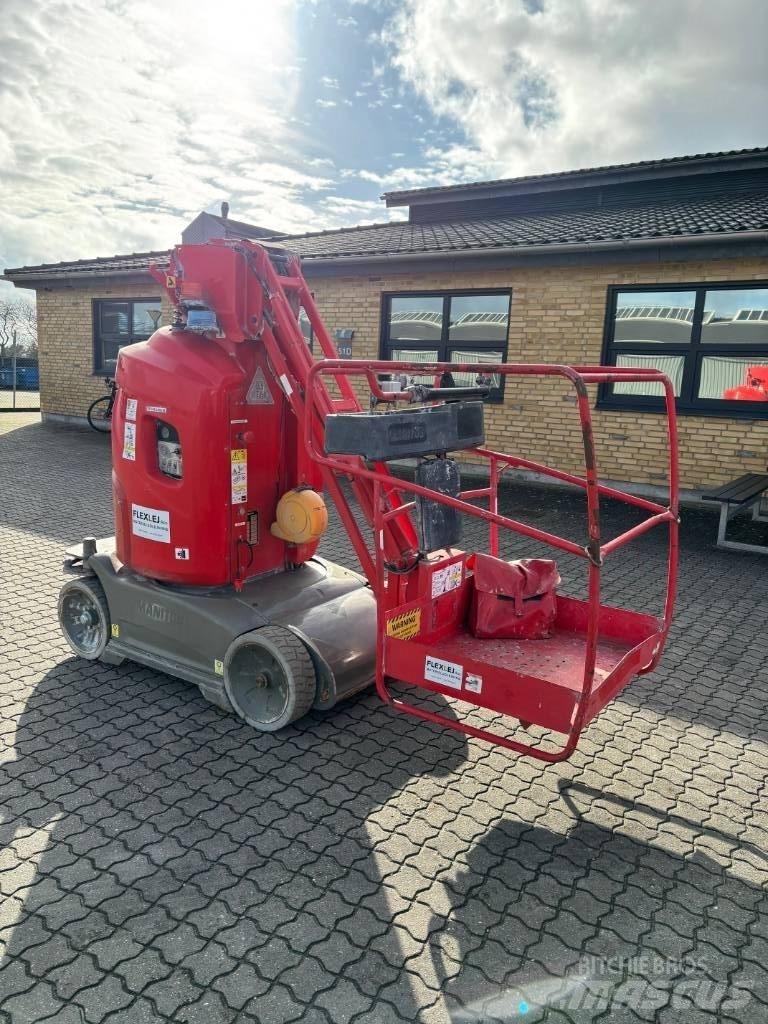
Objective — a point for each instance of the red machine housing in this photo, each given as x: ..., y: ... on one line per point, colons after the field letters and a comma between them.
x: 207, y: 522
x: 755, y: 389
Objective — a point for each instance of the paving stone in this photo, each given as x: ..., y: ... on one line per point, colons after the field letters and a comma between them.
x: 210, y: 1008
x: 142, y: 970
x: 171, y: 993
x: 35, y: 1004
x: 209, y: 963
x: 168, y: 863
x: 276, y: 1006
x: 241, y: 986
x: 13, y: 980
x: 180, y: 943
x: 78, y: 974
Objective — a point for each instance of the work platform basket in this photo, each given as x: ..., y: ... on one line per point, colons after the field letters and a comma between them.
x: 423, y: 639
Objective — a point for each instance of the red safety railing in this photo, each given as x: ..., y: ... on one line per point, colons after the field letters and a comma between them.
x: 389, y: 587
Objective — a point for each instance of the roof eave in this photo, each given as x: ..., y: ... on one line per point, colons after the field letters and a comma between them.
x: 73, y: 278
x: 576, y: 179
x: 667, y: 242
x: 557, y: 248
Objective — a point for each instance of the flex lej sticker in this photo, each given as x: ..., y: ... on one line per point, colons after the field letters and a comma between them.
x: 151, y: 523
x: 447, y: 673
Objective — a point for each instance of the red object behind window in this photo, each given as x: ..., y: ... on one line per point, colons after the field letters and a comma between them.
x: 513, y: 599
x: 755, y: 389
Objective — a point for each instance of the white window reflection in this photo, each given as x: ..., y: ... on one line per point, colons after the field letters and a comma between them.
x: 468, y: 379
x: 735, y: 316
x: 671, y: 365
x: 406, y: 355
x: 479, y: 318
x: 416, y: 318
x: 654, y: 317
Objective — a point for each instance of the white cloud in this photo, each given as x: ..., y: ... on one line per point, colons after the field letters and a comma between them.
x: 558, y: 84
x: 325, y: 103
x: 120, y: 121
x: 359, y: 211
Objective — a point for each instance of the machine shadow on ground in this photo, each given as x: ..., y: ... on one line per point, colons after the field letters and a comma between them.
x: 593, y: 925
x: 184, y: 859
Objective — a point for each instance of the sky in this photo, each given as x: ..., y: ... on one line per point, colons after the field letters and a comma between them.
x: 120, y: 120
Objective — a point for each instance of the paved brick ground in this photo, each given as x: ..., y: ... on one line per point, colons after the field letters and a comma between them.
x: 159, y: 860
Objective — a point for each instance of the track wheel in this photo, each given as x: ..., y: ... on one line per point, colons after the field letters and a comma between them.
x: 269, y: 678
x: 84, y: 617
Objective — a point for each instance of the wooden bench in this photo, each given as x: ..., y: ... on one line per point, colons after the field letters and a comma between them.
x: 745, y: 492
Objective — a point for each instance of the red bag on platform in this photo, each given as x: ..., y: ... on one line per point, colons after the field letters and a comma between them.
x: 513, y: 599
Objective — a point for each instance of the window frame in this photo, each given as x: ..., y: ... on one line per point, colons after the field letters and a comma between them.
x: 98, y: 339
x: 444, y: 346
x: 687, y: 402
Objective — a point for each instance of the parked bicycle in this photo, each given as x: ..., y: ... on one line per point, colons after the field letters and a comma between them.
x: 100, y: 411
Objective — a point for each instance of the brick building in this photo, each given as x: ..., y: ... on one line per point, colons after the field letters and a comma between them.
x: 661, y: 263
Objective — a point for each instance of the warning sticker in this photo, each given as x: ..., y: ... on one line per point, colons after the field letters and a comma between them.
x: 258, y: 392
x: 239, y: 468
x: 151, y: 523
x: 473, y: 683
x: 115, y: 629
x: 130, y: 408
x: 447, y: 579
x: 129, y: 442
x: 182, y: 554
x: 447, y: 673
x: 218, y: 667
x: 405, y: 625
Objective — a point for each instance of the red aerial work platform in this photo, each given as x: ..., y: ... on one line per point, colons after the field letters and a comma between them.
x: 226, y: 430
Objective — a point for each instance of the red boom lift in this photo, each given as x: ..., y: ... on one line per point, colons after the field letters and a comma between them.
x: 226, y: 430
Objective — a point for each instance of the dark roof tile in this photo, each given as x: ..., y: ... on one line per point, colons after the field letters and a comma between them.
x: 692, y: 216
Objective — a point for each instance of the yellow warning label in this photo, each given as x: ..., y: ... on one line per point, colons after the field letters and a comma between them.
x: 218, y: 667
x: 115, y: 629
x: 405, y: 625
x: 239, y: 467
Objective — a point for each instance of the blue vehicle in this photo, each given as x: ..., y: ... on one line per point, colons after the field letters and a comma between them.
x: 27, y: 378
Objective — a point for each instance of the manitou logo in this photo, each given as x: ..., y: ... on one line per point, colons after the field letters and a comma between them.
x: 406, y: 433
x: 159, y: 613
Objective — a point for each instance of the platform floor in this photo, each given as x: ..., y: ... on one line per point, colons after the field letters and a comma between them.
x: 558, y: 660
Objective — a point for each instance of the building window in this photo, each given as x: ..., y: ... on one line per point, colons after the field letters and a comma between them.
x: 120, y: 322
x: 710, y: 340
x: 450, y: 327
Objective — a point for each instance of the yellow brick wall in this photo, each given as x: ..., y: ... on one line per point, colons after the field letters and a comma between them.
x: 65, y: 341
x: 557, y: 316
